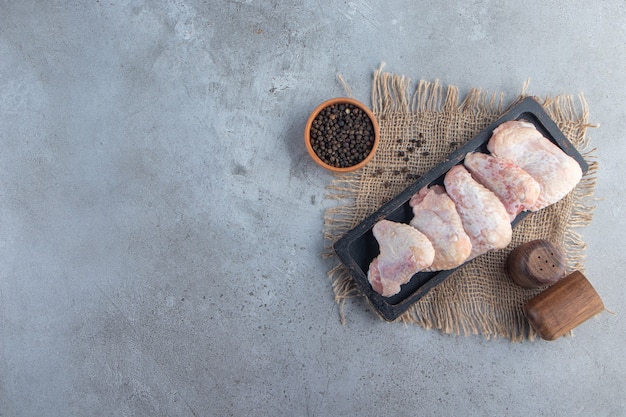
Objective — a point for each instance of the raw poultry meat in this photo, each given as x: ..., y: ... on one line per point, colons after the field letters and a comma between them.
x: 484, y: 217
x: 435, y: 215
x: 515, y: 188
x: 556, y: 172
x: 404, y: 251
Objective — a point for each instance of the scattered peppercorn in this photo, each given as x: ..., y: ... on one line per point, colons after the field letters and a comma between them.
x: 425, y: 153
x: 342, y: 135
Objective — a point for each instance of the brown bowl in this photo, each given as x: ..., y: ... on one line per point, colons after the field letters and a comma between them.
x: 317, y: 111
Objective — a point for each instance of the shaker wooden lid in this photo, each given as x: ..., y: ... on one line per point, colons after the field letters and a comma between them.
x: 536, y: 264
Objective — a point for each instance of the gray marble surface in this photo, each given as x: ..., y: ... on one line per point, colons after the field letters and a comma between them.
x: 160, y: 221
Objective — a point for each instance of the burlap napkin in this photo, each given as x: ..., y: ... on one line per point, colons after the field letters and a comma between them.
x: 419, y: 129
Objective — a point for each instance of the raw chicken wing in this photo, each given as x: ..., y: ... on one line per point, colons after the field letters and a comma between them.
x: 435, y: 216
x: 404, y: 251
x: 484, y: 217
x: 515, y: 188
x: 556, y: 172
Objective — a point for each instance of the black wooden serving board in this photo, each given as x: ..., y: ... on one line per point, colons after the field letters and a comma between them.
x: 358, y: 247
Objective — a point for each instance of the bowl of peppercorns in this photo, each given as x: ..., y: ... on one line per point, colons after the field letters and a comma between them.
x: 341, y: 134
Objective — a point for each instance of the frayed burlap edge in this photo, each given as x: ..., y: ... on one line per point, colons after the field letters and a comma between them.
x: 391, y: 94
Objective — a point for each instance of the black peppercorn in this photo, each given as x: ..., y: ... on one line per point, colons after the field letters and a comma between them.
x: 342, y: 135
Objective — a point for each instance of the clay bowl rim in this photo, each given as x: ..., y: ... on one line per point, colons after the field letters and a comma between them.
x: 330, y: 102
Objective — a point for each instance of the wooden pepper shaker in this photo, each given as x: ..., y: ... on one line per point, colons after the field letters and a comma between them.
x: 536, y: 264
x: 563, y: 306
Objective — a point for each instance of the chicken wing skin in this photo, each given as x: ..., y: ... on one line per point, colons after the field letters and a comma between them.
x: 484, y: 217
x: 435, y: 215
x: 404, y: 251
x: 515, y: 188
x: 556, y: 172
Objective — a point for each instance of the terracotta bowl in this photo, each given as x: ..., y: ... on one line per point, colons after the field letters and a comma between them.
x: 318, y: 109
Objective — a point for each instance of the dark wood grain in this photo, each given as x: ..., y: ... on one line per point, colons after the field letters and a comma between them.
x: 535, y: 264
x: 563, y: 306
